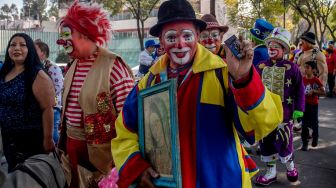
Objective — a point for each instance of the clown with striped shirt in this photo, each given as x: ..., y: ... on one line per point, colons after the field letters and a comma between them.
x: 95, y: 88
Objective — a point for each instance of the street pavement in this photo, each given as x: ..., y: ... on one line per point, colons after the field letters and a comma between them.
x: 317, y: 166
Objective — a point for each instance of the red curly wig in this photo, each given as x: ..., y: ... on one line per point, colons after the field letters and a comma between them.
x: 90, y: 20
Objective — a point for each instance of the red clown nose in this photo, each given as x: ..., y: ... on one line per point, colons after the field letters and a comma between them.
x: 61, y: 42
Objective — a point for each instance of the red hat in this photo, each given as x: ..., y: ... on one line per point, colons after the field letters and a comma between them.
x: 211, y: 22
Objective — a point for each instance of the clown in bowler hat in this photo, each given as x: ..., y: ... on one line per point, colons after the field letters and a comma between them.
x: 208, y: 149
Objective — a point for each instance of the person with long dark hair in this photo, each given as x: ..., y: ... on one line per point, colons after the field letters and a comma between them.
x: 27, y: 98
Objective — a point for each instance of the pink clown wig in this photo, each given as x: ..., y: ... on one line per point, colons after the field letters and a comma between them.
x: 90, y: 20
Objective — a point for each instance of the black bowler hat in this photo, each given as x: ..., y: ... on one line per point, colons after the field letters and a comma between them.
x: 309, y: 37
x: 175, y: 10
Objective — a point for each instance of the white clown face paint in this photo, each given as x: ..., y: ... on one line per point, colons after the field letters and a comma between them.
x: 179, y: 40
x: 211, y: 39
x: 275, y: 50
x: 66, y: 39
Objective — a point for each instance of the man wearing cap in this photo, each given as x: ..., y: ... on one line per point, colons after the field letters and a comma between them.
x: 311, y: 53
x: 208, y: 100
x: 146, y: 59
x: 259, y: 32
x: 283, y: 78
x: 95, y: 88
x: 211, y: 38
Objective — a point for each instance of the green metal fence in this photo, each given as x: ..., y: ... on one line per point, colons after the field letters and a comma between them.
x: 47, y: 37
x: 128, y: 49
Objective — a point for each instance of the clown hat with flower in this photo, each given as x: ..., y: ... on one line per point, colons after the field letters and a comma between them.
x: 281, y: 36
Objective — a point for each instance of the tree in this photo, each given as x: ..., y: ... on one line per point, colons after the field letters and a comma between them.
x: 323, y: 9
x: 331, y: 24
x: 264, y: 9
x: 53, y: 11
x: 243, y: 13
x: 6, y: 9
x: 317, y: 14
x: 37, y: 8
x: 112, y: 6
x: 14, y: 11
x: 236, y: 16
x: 141, y: 10
x: 302, y: 11
x: 27, y: 8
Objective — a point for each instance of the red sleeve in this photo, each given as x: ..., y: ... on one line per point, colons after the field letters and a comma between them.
x: 131, y: 170
x: 121, y: 84
x: 252, y: 94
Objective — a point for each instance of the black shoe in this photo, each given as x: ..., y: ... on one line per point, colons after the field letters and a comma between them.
x: 304, y: 147
x: 314, y: 142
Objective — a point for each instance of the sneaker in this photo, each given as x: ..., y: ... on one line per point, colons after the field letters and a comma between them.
x: 293, y: 175
x: 263, y: 181
x: 304, y: 147
x: 314, y: 142
x: 297, y: 127
x: 267, y: 178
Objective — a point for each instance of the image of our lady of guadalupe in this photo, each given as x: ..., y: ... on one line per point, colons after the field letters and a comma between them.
x: 158, y: 133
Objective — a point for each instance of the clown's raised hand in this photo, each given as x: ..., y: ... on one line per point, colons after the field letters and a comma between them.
x: 239, y: 68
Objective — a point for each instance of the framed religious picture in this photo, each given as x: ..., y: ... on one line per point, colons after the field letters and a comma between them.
x: 158, y: 132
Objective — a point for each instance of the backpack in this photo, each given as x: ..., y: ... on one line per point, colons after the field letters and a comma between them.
x: 37, y: 171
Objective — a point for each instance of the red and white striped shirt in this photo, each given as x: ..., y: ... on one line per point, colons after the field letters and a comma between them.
x: 121, y: 83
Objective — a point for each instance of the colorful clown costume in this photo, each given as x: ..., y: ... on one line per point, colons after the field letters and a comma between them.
x: 210, y: 150
x: 284, y: 79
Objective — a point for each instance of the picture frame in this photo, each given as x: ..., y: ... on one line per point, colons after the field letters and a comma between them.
x: 159, y: 132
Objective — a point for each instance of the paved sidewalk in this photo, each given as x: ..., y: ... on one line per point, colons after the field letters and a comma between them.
x: 317, y: 166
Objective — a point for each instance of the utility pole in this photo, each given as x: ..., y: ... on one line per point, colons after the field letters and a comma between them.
x: 213, y: 7
x: 284, y: 15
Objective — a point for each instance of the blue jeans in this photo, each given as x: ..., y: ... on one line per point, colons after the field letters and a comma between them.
x: 57, y: 122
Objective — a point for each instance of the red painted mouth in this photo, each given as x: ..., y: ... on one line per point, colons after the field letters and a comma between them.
x: 180, y: 54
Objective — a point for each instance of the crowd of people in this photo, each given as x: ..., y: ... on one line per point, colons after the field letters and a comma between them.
x: 90, y: 116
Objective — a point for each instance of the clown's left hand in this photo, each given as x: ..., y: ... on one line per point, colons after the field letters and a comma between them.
x: 240, y: 68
